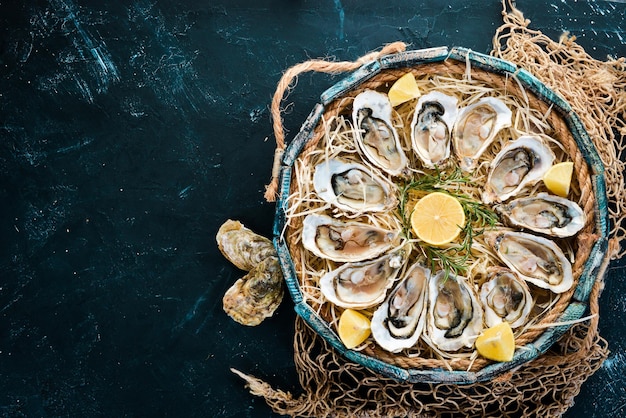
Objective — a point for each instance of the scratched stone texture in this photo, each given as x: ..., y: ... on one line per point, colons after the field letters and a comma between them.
x: 129, y: 131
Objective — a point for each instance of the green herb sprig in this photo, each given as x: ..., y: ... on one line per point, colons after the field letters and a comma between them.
x: 453, y: 259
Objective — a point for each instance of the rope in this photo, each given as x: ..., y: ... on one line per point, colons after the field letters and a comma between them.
x: 287, y: 82
x: 334, y: 386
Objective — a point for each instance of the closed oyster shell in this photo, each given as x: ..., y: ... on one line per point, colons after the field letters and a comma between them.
x: 399, y: 321
x: 535, y: 259
x: 345, y: 241
x: 257, y: 295
x: 505, y: 297
x: 520, y: 163
x: 476, y: 127
x: 352, y: 187
x: 431, y: 128
x: 375, y: 134
x: 241, y: 246
x: 547, y: 214
x: 455, y: 317
x: 362, y: 285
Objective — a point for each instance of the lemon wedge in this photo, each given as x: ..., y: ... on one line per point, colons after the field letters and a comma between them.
x: 497, y: 343
x: 404, y: 89
x: 354, y: 328
x: 437, y: 218
x: 559, y: 177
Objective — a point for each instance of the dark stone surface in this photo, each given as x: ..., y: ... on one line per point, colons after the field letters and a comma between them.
x: 129, y: 131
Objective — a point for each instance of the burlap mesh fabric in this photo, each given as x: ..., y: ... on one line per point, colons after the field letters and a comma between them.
x: 335, y: 387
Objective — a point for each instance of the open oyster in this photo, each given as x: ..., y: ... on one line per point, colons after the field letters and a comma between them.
x: 257, y: 295
x: 536, y: 259
x: 520, y: 163
x: 352, y: 187
x: 431, y: 127
x: 241, y: 246
x: 375, y: 134
x: 544, y: 213
x: 476, y: 127
x: 345, y: 241
x: 505, y: 297
x: 455, y: 317
x: 399, y: 321
x: 362, y: 285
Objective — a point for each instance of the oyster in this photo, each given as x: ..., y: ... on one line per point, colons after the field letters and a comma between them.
x: 399, y: 321
x: 431, y: 127
x: 375, y: 134
x: 544, y: 213
x: 362, y: 285
x: 345, y: 241
x: 505, y: 297
x: 455, y: 317
x: 257, y: 295
x: 536, y: 259
x: 520, y: 163
x: 476, y: 127
x: 241, y: 246
x: 352, y: 187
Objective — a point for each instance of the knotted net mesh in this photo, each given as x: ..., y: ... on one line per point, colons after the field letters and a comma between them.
x: 335, y: 387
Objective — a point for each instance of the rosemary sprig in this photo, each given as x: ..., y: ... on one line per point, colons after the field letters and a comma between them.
x: 438, y: 180
x: 453, y: 259
x: 447, y: 259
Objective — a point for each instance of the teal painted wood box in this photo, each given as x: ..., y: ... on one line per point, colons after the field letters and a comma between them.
x: 589, y: 249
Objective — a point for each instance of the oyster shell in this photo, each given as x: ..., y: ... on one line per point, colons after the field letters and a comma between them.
x: 241, y: 246
x: 362, y: 285
x: 257, y: 295
x: 375, y: 134
x: 345, y: 241
x: 352, y: 187
x: 544, y: 213
x: 476, y: 127
x: 431, y: 127
x: 399, y: 321
x: 520, y: 163
x: 536, y: 259
x: 455, y: 317
x: 505, y: 297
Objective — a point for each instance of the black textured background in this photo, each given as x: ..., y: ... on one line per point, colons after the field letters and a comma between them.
x: 129, y: 131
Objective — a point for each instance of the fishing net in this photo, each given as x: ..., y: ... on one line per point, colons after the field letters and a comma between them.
x: 546, y: 386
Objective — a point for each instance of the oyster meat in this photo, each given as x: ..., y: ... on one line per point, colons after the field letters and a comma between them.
x: 375, y: 134
x: 431, y: 127
x: 352, y: 187
x: 362, y: 285
x: 505, y: 297
x: 257, y: 295
x: 520, y: 163
x: 455, y: 317
x: 476, y: 127
x: 399, y: 321
x: 345, y: 241
x: 241, y: 246
x: 535, y: 259
x: 544, y: 213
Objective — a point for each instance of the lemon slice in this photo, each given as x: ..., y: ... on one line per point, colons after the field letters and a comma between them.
x: 437, y: 218
x: 497, y: 343
x: 404, y: 89
x: 354, y: 328
x: 558, y: 178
